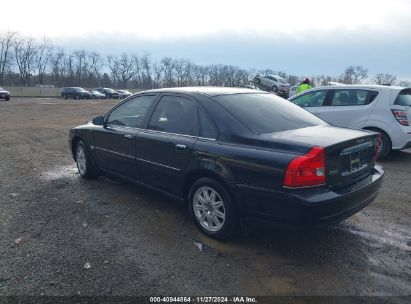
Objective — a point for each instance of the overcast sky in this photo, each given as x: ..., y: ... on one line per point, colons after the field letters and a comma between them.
x: 299, y: 37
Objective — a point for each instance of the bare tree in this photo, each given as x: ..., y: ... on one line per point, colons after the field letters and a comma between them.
x: 96, y: 65
x: 42, y: 57
x: 121, y: 68
x: 24, y: 54
x: 383, y: 78
x: 80, y: 57
x: 404, y: 83
x: 6, y: 42
x: 146, y: 68
x: 58, y: 67
x: 354, y: 74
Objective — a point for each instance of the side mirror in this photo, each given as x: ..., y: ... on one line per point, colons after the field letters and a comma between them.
x: 98, y: 121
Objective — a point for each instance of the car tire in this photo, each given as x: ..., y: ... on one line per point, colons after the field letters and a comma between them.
x: 257, y: 80
x: 275, y: 89
x: 76, y: 97
x: 7, y: 98
x: 386, y: 144
x: 65, y: 97
x: 84, y: 162
x: 212, y: 209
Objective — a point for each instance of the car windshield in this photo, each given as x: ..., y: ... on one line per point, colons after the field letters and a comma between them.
x: 109, y: 90
x: 404, y: 98
x: 266, y: 113
x: 80, y: 90
x: 281, y: 80
x: 1, y: 89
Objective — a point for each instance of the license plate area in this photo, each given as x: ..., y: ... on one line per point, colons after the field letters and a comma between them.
x: 355, y: 158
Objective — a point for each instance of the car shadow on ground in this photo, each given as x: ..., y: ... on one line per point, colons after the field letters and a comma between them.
x: 397, y: 157
x: 306, y: 246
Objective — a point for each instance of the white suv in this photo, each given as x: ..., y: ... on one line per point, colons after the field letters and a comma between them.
x: 385, y: 109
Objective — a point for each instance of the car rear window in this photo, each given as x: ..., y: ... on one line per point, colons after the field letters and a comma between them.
x: 403, y: 98
x: 266, y: 113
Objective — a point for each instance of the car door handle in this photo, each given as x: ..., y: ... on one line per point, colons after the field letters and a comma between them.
x: 180, y: 147
x: 128, y: 136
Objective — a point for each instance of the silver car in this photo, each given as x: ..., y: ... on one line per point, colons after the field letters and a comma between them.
x: 273, y: 83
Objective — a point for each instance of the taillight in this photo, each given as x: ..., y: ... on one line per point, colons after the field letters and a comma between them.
x: 307, y: 170
x: 378, y: 146
x: 401, y: 116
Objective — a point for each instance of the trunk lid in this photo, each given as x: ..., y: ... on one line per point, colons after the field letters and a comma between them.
x: 349, y: 154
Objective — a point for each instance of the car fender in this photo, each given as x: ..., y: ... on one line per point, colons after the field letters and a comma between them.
x: 369, y: 124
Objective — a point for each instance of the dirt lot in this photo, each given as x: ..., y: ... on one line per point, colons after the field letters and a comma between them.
x: 53, y: 223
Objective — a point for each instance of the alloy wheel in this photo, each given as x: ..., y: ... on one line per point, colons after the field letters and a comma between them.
x: 209, y: 209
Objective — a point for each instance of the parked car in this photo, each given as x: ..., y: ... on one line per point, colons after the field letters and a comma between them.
x: 384, y: 109
x: 75, y: 92
x: 293, y: 90
x: 233, y: 155
x: 109, y: 93
x: 124, y: 93
x: 4, y: 94
x: 97, y: 95
x: 274, y: 83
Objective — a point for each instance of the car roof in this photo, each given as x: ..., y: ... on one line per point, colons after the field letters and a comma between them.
x: 210, y: 91
x: 360, y: 86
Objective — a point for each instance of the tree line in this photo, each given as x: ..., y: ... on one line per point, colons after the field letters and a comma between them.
x: 25, y: 61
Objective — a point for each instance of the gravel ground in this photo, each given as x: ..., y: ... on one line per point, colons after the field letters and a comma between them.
x: 62, y: 235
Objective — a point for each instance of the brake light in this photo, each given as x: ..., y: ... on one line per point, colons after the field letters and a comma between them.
x: 307, y: 170
x: 401, y: 116
x: 377, y: 150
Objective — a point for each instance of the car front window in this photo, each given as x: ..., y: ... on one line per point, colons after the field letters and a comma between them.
x: 310, y: 99
x: 131, y: 113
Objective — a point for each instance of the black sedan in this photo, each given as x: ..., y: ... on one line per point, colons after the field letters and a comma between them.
x: 109, y: 93
x: 4, y: 94
x: 233, y: 156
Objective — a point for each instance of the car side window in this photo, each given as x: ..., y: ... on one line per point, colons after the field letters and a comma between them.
x: 207, y: 130
x: 131, y: 113
x: 311, y: 99
x: 175, y: 114
x: 345, y: 97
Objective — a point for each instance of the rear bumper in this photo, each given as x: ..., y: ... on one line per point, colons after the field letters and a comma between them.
x: 308, y: 208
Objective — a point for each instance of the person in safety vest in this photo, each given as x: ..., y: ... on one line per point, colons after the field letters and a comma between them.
x: 305, y: 85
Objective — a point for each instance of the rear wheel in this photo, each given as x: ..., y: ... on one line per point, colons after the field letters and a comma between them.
x: 386, y: 144
x: 212, y: 209
x: 76, y: 97
x: 84, y: 163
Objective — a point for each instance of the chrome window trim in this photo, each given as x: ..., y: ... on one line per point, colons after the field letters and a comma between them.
x: 157, y: 131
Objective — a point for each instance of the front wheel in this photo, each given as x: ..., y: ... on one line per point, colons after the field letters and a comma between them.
x: 275, y: 89
x: 7, y: 98
x: 84, y: 163
x: 212, y: 209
